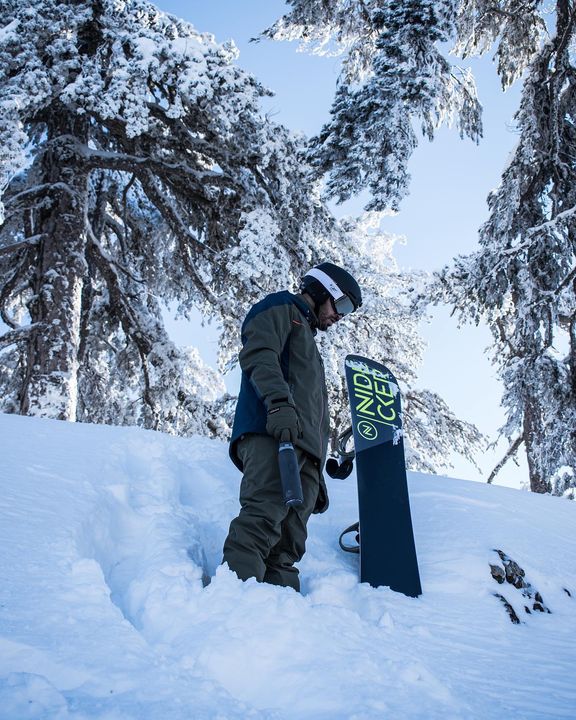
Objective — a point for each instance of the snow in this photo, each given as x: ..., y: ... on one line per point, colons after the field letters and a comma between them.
x: 109, y: 535
x: 7, y: 31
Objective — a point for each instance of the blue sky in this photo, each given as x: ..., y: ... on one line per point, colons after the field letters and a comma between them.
x: 451, y: 179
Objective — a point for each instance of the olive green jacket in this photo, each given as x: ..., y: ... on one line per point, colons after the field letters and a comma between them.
x: 280, y: 362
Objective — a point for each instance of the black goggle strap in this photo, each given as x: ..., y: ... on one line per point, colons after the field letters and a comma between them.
x: 342, y: 302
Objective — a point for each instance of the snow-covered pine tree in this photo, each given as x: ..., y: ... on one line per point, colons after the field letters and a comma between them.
x: 136, y: 167
x: 386, y: 328
x: 137, y: 171
x: 394, y: 77
x: 523, y: 278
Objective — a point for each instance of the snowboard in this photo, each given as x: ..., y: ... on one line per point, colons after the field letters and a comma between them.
x: 387, y: 548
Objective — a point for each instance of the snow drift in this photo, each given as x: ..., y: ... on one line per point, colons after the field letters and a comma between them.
x: 113, y: 604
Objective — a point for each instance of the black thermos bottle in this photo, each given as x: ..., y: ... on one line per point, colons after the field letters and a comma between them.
x: 290, y: 474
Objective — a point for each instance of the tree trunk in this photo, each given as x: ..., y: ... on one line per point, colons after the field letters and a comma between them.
x: 50, y: 388
x: 532, y: 430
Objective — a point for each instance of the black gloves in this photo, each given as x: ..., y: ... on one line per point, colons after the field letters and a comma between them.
x: 283, y: 423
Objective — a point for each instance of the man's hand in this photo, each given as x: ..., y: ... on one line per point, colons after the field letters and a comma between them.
x: 283, y: 423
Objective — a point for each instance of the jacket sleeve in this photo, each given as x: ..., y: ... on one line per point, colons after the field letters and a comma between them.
x: 264, y: 339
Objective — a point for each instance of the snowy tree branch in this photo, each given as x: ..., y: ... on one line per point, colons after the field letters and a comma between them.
x: 511, y: 452
x: 548, y: 225
x: 181, y: 232
x: 8, y: 288
x: 120, y: 306
x: 28, y: 242
x: 129, y: 163
x: 20, y: 334
x: 38, y: 192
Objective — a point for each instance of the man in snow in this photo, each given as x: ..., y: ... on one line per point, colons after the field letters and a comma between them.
x: 283, y: 397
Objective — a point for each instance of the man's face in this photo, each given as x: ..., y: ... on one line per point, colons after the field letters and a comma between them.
x: 327, y: 315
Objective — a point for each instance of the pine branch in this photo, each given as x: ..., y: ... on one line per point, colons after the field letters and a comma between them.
x: 37, y: 192
x: 567, y: 16
x: 548, y: 225
x: 181, y: 232
x: 20, y: 334
x: 194, y: 135
x: 125, y: 313
x: 171, y: 214
x: 124, y: 162
x: 11, y: 284
x: 116, y: 228
x: 27, y: 242
x: 123, y: 238
x: 510, y: 453
x: 120, y: 304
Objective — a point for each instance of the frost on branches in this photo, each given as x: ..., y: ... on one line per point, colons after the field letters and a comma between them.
x: 136, y: 170
x: 386, y: 328
x: 523, y: 278
x: 393, y: 79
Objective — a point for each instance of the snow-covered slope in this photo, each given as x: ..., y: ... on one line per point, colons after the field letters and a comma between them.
x: 105, y: 534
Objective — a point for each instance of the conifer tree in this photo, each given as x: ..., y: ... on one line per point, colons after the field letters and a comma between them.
x: 522, y: 280
x: 138, y: 171
x: 136, y: 166
x: 394, y: 78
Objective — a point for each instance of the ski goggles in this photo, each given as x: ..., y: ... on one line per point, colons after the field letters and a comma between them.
x: 343, y: 305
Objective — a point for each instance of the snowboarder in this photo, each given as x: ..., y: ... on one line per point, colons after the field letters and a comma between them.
x: 283, y: 397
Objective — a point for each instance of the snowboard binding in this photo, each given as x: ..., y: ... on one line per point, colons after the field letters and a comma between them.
x: 341, y: 469
x: 355, y: 528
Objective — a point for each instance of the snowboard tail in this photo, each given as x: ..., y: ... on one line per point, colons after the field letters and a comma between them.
x: 387, y: 548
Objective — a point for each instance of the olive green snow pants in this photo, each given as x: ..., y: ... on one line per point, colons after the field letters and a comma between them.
x: 267, y: 538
